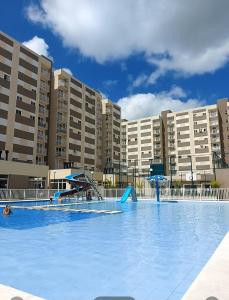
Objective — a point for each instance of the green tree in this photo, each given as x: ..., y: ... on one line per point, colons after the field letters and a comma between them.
x: 215, y: 184
x: 178, y: 184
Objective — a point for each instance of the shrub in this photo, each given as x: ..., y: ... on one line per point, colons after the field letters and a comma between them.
x: 215, y: 184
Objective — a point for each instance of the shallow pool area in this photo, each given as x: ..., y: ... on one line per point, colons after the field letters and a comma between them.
x: 149, y: 251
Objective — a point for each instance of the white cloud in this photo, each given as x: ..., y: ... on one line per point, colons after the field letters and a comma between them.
x: 123, y: 66
x: 140, y: 80
x: 104, y: 96
x: 110, y: 83
x: 38, y: 45
x: 149, y: 104
x: 68, y: 71
x: 177, y: 91
x: 190, y: 37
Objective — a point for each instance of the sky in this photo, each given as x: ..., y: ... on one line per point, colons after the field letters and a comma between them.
x: 146, y: 55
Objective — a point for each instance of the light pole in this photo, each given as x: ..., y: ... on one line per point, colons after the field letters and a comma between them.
x: 205, y: 179
x: 54, y: 173
x: 135, y: 173
x: 213, y: 158
x: 171, y: 172
x: 119, y: 173
x: 191, y: 170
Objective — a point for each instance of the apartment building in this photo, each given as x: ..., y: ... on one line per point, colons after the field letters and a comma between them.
x: 76, y: 124
x: 111, y: 132
x: 25, y: 90
x: 142, y: 141
x: 194, y: 140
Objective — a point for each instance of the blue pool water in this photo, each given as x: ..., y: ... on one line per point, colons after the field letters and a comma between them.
x: 150, y: 251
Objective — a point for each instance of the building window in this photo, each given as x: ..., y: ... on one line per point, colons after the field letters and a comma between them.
x: 6, y: 77
x: 18, y: 112
x: 19, y: 98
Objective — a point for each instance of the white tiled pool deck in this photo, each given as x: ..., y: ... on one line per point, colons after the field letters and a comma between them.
x: 213, y: 280
x: 7, y: 293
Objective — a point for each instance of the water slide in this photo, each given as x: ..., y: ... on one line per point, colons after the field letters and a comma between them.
x: 80, y: 183
x: 129, y: 191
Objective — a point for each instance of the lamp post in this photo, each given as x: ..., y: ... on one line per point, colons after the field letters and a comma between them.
x: 119, y: 173
x: 191, y: 169
x: 135, y: 173
x: 205, y: 179
x: 54, y: 173
x: 171, y: 172
x: 213, y: 158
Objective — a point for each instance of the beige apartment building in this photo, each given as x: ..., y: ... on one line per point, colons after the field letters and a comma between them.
x: 190, y: 143
x: 76, y: 124
x: 54, y: 121
x: 25, y: 90
x: 50, y: 119
x: 142, y: 141
x: 111, y: 132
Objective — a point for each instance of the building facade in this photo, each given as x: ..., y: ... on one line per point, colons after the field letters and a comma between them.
x: 190, y: 143
x: 25, y: 91
x: 142, y: 141
x: 53, y: 120
x: 111, y: 136
x: 76, y: 124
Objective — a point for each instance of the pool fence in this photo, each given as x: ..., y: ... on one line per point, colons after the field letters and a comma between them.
x: 199, y: 194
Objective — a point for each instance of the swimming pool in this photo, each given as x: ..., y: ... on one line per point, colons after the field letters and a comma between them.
x: 149, y: 251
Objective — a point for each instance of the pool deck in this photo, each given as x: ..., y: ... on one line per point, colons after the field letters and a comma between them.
x: 213, y: 280
x: 7, y: 293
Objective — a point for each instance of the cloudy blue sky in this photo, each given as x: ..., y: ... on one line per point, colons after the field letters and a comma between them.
x: 146, y: 55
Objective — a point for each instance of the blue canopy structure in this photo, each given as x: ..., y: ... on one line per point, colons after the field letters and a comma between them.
x: 157, y: 179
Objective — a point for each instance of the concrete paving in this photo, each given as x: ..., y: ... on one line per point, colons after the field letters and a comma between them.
x: 8, y: 293
x: 213, y: 281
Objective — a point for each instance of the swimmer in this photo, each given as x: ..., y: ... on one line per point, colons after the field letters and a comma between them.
x: 7, y: 210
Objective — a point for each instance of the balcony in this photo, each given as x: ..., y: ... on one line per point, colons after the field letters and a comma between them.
x: 41, y: 151
x: 156, y: 139
x: 63, y: 84
x: 215, y: 140
x: 42, y: 124
x: 60, y: 154
x: 44, y: 98
x: 171, y: 145
x: 61, y: 142
x: 61, y: 130
x: 216, y: 148
x: 41, y: 137
x: 171, y: 138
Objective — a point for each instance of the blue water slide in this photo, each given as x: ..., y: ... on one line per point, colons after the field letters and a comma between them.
x: 129, y: 191
x: 80, y: 182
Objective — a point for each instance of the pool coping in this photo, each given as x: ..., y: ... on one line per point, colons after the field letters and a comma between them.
x: 213, y: 279
x: 64, y: 209
x: 8, y: 292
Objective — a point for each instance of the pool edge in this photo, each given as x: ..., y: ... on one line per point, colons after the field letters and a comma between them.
x: 213, y: 280
x: 8, y: 292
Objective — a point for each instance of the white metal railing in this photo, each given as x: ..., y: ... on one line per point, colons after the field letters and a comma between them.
x: 199, y: 194
x: 174, y: 194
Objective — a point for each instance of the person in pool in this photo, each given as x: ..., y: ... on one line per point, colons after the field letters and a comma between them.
x: 7, y: 210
